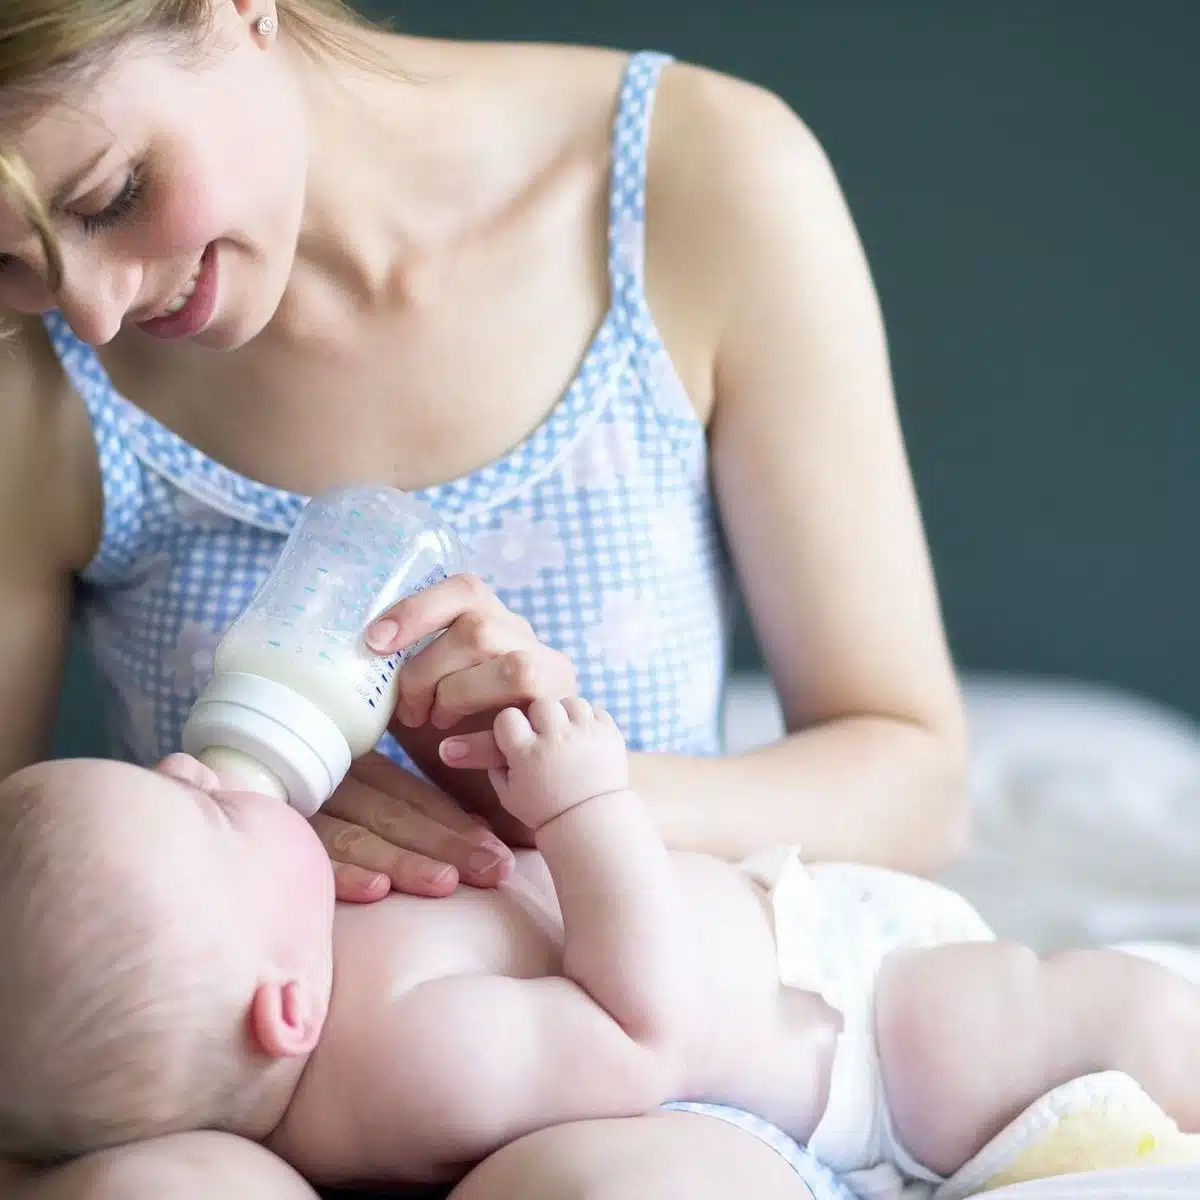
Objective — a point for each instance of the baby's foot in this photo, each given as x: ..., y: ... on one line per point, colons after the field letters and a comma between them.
x: 561, y: 754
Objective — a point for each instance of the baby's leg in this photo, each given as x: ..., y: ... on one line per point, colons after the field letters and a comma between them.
x: 970, y: 1035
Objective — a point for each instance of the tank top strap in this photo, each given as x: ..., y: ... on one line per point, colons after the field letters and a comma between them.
x: 122, y: 478
x: 656, y: 378
x: 130, y: 442
x: 627, y: 189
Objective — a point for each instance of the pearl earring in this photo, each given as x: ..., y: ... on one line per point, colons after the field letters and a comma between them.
x: 264, y: 26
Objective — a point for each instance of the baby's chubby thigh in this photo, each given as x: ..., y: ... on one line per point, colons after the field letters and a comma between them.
x: 954, y: 1024
x: 918, y: 947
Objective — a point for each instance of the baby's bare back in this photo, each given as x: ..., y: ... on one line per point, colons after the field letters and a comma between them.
x: 749, y: 1042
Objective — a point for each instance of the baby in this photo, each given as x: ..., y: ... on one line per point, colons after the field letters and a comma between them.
x: 173, y: 959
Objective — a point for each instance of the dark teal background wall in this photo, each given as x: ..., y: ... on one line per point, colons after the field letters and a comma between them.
x: 1026, y: 177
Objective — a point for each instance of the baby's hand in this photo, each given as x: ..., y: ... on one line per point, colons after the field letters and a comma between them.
x: 562, y: 754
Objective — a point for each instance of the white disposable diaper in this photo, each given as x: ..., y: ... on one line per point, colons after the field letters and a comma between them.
x: 834, y: 925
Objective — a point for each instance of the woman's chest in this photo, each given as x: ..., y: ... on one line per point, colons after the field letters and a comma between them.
x: 441, y: 368
x: 613, y: 557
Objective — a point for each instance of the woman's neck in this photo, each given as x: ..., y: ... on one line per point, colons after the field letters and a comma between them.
x: 402, y: 162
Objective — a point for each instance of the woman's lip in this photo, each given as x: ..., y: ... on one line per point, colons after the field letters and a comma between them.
x: 161, y: 310
x: 198, y: 310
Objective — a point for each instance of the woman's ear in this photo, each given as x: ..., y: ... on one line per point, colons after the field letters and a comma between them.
x: 286, y: 1017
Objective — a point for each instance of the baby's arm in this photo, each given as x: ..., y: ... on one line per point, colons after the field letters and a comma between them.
x: 626, y: 943
x: 468, y: 1063
x: 477, y: 1061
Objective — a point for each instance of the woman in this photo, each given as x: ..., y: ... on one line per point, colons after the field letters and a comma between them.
x: 581, y: 303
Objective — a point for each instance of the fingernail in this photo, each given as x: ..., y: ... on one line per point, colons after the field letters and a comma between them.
x: 380, y: 635
x: 454, y: 749
x: 435, y: 873
x: 483, y: 861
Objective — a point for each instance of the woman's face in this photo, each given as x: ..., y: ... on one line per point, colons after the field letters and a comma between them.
x: 177, y: 186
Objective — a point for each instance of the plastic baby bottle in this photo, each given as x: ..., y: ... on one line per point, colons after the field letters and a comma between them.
x: 296, y: 694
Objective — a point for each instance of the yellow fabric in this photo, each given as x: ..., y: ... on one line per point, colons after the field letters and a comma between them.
x: 1121, y: 1129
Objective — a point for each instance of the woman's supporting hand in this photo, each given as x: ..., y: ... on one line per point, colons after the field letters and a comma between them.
x: 385, y: 828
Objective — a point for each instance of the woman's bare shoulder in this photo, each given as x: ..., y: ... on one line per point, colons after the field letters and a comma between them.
x: 733, y: 172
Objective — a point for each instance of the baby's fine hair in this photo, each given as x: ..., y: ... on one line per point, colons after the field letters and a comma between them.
x: 114, y: 1024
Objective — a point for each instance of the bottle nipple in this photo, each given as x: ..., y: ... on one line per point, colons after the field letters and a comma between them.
x: 239, y: 772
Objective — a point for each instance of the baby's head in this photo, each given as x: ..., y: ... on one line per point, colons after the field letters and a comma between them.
x: 165, y: 955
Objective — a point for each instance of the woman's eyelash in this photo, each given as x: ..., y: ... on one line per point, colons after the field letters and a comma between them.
x: 122, y: 206
x: 124, y: 203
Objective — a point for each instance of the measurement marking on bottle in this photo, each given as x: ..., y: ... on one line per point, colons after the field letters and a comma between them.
x: 273, y: 642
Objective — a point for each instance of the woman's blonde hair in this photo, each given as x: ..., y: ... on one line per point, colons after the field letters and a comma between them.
x: 45, y: 43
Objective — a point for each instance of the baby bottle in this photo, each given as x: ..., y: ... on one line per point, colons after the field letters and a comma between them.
x: 296, y: 694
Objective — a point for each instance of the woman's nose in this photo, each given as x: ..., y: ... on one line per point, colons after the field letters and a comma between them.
x: 97, y: 296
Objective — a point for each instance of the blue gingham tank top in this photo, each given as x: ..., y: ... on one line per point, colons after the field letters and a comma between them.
x: 599, y: 528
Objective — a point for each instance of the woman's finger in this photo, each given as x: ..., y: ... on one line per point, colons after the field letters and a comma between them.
x: 375, y: 819
x: 430, y: 611
x: 357, y: 885
x: 472, y: 751
x: 476, y: 637
x: 372, y: 858
x: 389, y: 779
x: 515, y: 678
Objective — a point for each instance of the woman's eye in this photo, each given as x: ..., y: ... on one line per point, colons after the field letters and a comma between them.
x: 119, y: 208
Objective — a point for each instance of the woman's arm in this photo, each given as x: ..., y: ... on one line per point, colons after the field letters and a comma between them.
x: 49, y: 526
x: 764, y: 296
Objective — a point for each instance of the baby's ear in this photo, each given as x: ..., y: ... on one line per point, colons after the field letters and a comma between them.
x: 286, y: 1017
